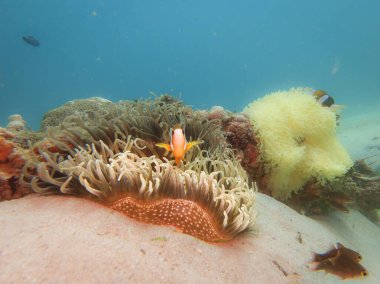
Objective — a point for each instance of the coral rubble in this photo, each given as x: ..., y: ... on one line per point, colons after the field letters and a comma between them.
x: 359, y: 188
x: 239, y: 133
x: 367, y: 190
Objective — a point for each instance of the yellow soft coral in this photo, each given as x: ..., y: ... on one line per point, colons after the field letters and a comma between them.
x: 297, y: 141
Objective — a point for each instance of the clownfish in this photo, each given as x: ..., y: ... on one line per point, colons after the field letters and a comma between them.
x: 325, y: 99
x: 178, y: 144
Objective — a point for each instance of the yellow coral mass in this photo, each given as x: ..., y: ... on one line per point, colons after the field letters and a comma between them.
x: 297, y: 140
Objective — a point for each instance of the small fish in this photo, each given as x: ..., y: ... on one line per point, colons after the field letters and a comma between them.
x: 348, y: 253
x: 178, y: 144
x: 342, y: 267
x: 326, y: 100
x: 323, y: 98
x: 31, y: 40
x: 341, y: 261
x: 340, y: 250
x: 319, y: 257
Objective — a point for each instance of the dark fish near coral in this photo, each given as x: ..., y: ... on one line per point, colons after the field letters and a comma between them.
x: 341, y: 261
x: 342, y: 251
x: 31, y: 40
x: 349, y: 253
x: 342, y: 267
x: 318, y: 257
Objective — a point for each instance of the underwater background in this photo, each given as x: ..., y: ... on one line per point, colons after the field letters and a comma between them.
x: 205, y: 52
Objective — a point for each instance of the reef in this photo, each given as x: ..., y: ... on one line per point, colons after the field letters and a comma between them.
x: 15, y: 142
x: 112, y: 158
x: 238, y: 131
x: 359, y: 188
x: 12, y: 159
x: 106, y: 152
x: 367, y: 191
x: 287, y: 143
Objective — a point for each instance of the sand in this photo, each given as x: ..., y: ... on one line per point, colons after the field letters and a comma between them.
x: 360, y: 135
x: 62, y: 239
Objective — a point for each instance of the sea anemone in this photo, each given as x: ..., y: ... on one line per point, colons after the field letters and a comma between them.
x: 297, y: 141
x: 115, y: 162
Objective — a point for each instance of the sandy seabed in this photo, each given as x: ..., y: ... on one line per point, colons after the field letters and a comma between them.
x: 63, y: 239
x: 60, y: 239
x: 360, y: 135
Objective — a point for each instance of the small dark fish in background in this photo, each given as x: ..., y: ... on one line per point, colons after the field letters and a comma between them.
x: 31, y: 40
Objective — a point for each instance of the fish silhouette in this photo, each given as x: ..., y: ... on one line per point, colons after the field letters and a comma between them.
x: 31, y: 40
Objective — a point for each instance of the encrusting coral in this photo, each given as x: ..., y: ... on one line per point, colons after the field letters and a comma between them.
x: 85, y: 108
x: 115, y: 161
x: 238, y: 130
x: 11, y: 162
x: 297, y: 141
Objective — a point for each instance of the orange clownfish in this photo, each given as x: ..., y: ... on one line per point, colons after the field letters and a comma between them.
x: 178, y: 144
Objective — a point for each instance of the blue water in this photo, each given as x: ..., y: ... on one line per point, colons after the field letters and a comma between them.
x: 205, y: 52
